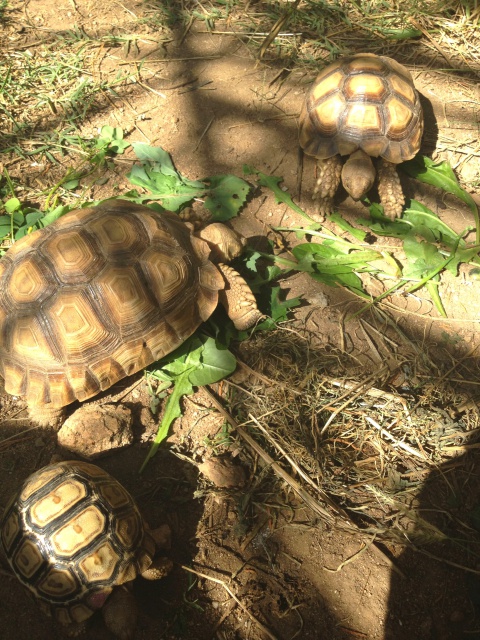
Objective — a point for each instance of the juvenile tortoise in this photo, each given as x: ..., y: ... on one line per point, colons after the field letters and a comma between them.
x: 75, y: 538
x: 362, y: 106
x: 105, y: 291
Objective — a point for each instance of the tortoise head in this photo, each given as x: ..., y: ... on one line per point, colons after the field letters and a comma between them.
x: 358, y: 174
x: 225, y: 243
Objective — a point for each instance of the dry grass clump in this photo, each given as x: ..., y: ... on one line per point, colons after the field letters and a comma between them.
x: 375, y: 452
x: 444, y: 34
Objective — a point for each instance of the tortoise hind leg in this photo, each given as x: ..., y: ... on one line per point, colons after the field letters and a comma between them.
x: 45, y: 416
x: 390, y: 189
x: 329, y: 174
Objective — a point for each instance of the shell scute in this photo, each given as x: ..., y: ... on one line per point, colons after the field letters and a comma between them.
x: 366, y: 102
x: 98, y: 295
x: 71, y: 534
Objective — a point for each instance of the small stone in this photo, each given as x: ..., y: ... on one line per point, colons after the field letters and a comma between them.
x: 94, y: 430
x: 223, y: 472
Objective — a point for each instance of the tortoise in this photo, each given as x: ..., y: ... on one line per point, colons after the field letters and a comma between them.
x: 364, y: 106
x: 103, y: 292
x: 75, y: 538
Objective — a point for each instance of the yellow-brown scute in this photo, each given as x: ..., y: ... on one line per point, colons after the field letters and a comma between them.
x: 363, y: 102
x: 98, y: 295
x: 73, y: 531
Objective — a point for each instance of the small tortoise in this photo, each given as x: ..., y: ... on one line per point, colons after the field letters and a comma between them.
x: 105, y: 291
x: 363, y: 106
x: 75, y: 537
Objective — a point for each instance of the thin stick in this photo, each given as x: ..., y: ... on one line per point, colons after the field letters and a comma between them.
x: 342, y: 517
x: 232, y: 595
x: 292, y: 463
x: 360, y: 391
x: 204, y: 133
x: 396, y: 442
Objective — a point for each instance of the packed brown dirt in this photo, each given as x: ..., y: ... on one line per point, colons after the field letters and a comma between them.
x: 206, y: 99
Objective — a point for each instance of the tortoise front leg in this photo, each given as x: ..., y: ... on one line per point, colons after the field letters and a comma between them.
x: 328, y: 180
x: 390, y: 190
x: 238, y: 299
x: 120, y: 613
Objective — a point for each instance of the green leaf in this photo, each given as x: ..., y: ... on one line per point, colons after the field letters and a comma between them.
x: 345, y: 226
x: 438, y: 174
x: 226, y: 195
x: 172, y: 192
x: 383, y: 226
x: 198, y: 361
x: 428, y: 225
x: 33, y: 217
x: 216, y: 363
x: 399, y: 34
x: 54, y: 214
x: 158, y: 176
x: 327, y: 265
x: 71, y: 184
x: 281, y: 196
x: 279, y: 306
x: 422, y: 257
x: 252, y: 259
x: 11, y: 205
x: 155, y: 155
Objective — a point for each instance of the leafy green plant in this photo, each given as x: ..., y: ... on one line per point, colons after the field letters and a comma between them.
x: 223, y: 195
x: 429, y: 244
x: 221, y: 439
x: 110, y: 142
x: 198, y: 361
x: 19, y: 219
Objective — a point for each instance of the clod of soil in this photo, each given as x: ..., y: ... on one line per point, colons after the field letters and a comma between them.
x: 94, y: 431
x: 223, y: 472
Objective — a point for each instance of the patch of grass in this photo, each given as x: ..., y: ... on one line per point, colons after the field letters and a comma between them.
x: 316, y: 32
x: 48, y: 85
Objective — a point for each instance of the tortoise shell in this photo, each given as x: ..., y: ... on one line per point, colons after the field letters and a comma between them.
x: 366, y: 102
x: 71, y: 534
x: 98, y: 295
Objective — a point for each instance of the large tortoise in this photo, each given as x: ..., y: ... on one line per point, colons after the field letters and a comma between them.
x: 364, y: 106
x: 74, y: 536
x: 105, y: 291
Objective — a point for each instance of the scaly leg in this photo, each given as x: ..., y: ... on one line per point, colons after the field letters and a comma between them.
x: 390, y: 190
x: 328, y: 181
x: 238, y: 299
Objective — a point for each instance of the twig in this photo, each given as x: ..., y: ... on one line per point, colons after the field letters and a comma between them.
x: 204, y: 132
x: 295, y: 466
x: 366, y: 545
x: 360, y: 386
x: 232, y: 595
x: 341, y: 519
x: 396, y: 442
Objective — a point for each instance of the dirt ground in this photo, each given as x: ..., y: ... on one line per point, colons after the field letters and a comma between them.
x: 204, y: 98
